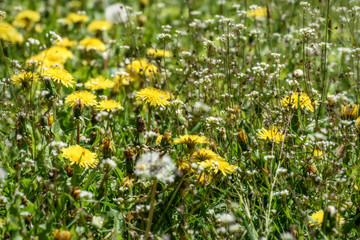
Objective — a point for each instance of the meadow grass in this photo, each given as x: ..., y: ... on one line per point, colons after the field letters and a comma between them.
x: 179, y: 119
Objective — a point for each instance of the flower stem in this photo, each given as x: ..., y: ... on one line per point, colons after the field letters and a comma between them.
x: 151, y: 214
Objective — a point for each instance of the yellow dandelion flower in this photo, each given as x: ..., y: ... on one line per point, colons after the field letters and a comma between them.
x: 203, y: 178
x: 81, y: 98
x: 25, y: 18
x: 98, y: 26
x: 357, y: 123
x: 350, y: 111
x: 317, y: 219
x: 155, y: 97
x: 203, y: 155
x: 257, y: 13
x: 159, y: 53
x: 272, y: 134
x: 38, y: 28
x: 184, y: 166
x: 81, y: 156
x: 76, y: 18
x: 66, y: 43
x: 295, y: 100
x: 54, y: 56
x: 99, y: 83
x: 318, y: 153
x: 191, y: 140
x: 24, y: 78
x: 9, y: 34
x: 90, y: 43
x: 61, y: 235
x: 218, y: 164
x: 141, y: 67
x: 59, y: 75
x: 108, y: 105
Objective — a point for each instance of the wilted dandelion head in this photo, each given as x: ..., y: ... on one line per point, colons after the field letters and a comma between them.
x: 298, y: 99
x: 59, y: 75
x: 66, y: 43
x: 76, y: 18
x: 80, y: 156
x: 191, y: 140
x: 242, y: 136
x: 61, y: 235
x: 91, y: 43
x: 350, y: 111
x: 99, y: 26
x: 25, y: 18
x: 108, y: 105
x: 24, y: 78
x: 99, y: 83
x: 9, y: 34
x: 272, y: 134
x: 80, y: 98
x: 155, y: 97
x: 141, y: 67
x: 159, y: 53
x: 153, y: 165
x: 219, y: 164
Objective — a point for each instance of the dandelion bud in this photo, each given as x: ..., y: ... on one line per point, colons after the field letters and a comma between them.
x: 142, y: 19
x: 76, y: 193
x: 129, y: 161
x: 78, y: 106
x: 69, y: 171
x: 140, y: 126
x: 106, y: 147
x: 242, y: 139
x: 311, y: 169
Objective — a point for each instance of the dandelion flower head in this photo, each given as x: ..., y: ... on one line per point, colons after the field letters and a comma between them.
x: 217, y: 165
x: 98, y: 26
x: 272, y: 134
x: 191, y: 140
x: 91, y: 43
x: 141, y: 67
x: 25, y: 18
x: 9, y: 34
x: 81, y: 156
x: 81, y: 98
x: 59, y: 75
x: 74, y: 18
x: 298, y: 99
x: 350, y: 111
x: 155, y: 97
x: 66, y: 43
x: 159, y: 53
x: 24, y: 78
x: 203, y: 155
x: 99, y: 83
x: 108, y: 105
x: 257, y: 12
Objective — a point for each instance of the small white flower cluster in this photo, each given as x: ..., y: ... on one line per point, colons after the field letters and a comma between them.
x: 152, y: 165
x: 281, y: 193
x: 307, y: 33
